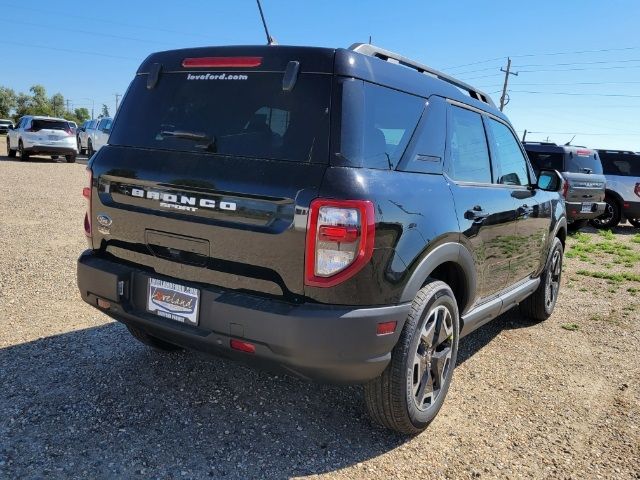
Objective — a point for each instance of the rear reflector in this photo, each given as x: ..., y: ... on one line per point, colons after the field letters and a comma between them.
x: 386, y: 328
x: 222, y: 62
x: 242, y: 346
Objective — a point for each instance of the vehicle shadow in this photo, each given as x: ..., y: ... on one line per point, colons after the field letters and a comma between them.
x: 97, y: 401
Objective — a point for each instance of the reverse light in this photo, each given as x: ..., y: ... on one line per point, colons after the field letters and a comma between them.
x: 340, y: 239
x: 222, y: 62
x: 86, y: 193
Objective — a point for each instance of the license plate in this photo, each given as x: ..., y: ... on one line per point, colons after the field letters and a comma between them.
x: 53, y: 137
x: 586, y: 208
x: 173, y: 301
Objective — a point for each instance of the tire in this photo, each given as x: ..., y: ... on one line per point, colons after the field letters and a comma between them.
x: 24, y: 156
x: 576, y: 225
x: 10, y: 153
x: 80, y: 150
x: 54, y: 157
x: 151, y: 341
x: 90, y: 151
x: 399, y: 399
x: 540, y: 304
x: 611, y: 216
x: 634, y: 221
x: 70, y: 158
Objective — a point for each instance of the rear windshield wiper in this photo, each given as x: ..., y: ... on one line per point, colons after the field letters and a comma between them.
x: 195, y: 136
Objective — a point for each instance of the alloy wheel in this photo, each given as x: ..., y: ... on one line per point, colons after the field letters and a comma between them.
x: 553, y: 280
x: 432, y: 359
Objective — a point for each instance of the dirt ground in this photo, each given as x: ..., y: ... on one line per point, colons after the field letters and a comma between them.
x: 79, y: 397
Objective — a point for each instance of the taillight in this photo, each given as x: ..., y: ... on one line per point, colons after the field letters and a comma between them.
x: 340, y: 240
x: 86, y: 193
x: 583, y: 153
x: 636, y: 190
x: 565, y: 188
x: 222, y: 62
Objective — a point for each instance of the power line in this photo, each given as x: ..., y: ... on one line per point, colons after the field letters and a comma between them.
x: 11, y: 42
x: 578, y: 94
x: 577, y: 63
x: 578, y: 52
x: 563, y: 84
x: 581, y: 69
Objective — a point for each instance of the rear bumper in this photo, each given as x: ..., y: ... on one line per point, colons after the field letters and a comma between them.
x: 574, y: 210
x: 320, y: 342
x: 631, y: 209
x: 48, y: 150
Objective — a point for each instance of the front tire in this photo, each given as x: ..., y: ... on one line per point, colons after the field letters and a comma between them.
x: 540, y: 304
x: 90, y: 151
x: 10, y: 153
x: 24, y: 156
x: 611, y: 216
x: 411, y: 390
x: 151, y: 341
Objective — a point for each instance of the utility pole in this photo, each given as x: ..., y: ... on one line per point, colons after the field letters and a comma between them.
x: 117, y: 101
x: 68, y: 110
x: 504, y: 98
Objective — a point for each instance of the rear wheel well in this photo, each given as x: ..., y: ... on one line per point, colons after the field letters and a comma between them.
x: 453, y: 275
x: 562, y: 235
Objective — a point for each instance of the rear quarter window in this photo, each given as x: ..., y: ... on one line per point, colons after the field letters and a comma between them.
x: 621, y: 164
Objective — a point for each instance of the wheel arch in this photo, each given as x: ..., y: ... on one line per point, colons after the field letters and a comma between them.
x: 453, y: 264
x: 615, y: 195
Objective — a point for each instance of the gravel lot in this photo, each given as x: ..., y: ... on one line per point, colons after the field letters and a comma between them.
x: 79, y: 397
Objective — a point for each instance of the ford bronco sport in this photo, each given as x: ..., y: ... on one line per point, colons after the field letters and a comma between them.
x: 581, y: 170
x: 346, y: 215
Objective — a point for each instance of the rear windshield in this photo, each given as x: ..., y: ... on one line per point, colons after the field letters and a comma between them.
x: 245, y: 115
x: 622, y: 164
x: 49, y: 125
x: 547, y: 161
x: 583, y: 163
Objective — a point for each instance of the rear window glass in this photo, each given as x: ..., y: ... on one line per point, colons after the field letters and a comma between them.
x: 377, y: 124
x: 468, y: 150
x: 49, y: 125
x: 239, y: 115
x: 583, y: 163
x: 547, y: 161
x: 622, y: 164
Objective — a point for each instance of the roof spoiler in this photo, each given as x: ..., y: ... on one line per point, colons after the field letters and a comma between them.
x: 391, y: 57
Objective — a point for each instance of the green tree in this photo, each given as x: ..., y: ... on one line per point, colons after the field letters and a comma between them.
x: 104, y: 112
x: 57, y: 105
x: 82, y: 114
x: 7, y: 101
x: 40, y: 104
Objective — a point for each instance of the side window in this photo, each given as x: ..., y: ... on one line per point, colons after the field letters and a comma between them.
x: 509, y: 164
x: 468, y: 152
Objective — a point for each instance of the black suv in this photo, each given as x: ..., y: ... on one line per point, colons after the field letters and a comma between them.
x: 584, y: 183
x: 343, y: 214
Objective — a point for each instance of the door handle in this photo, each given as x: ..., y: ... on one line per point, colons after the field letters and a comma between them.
x: 524, y: 210
x: 477, y: 214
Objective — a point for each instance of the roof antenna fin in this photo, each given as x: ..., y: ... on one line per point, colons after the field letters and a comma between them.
x: 270, y: 39
x: 569, y: 142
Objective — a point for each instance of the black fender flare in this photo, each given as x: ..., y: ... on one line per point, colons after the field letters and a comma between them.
x: 615, y: 195
x: 446, y: 252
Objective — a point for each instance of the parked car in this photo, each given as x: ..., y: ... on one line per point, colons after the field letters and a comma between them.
x: 622, y: 170
x: 94, y: 135
x: 323, y: 211
x: 35, y: 135
x: 5, y: 125
x: 582, y: 172
x: 84, y: 134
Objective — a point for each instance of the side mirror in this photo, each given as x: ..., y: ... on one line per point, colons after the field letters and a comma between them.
x: 550, y: 181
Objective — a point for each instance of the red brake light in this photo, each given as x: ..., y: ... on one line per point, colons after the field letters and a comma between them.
x: 340, y: 239
x: 583, y: 153
x: 86, y: 193
x: 565, y: 188
x: 222, y: 62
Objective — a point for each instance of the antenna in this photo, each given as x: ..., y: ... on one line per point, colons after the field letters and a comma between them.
x: 569, y: 142
x: 270, y: 39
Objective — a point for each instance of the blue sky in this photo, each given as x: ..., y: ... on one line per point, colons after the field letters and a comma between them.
x: 92, y: 53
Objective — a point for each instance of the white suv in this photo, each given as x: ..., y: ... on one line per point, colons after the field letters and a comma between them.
x: 94, y: 135
x: 42, y: 136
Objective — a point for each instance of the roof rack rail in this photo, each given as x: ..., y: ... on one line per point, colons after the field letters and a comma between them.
x: 625, y: 152
x: 533, y: 142
x: 388, y: 56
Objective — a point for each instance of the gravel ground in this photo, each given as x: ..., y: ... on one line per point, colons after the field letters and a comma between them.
x: 79, y: 397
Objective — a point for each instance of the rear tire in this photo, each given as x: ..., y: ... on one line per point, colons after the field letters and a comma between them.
x: 10, y: 153
x: 634, y: 221
x: 540, y: 304
x: 411, y: 390
x: 70, y: 158
x: 151, y: 341
x: 611, y: 216
x: 576, y: 225
x: 90, y: 151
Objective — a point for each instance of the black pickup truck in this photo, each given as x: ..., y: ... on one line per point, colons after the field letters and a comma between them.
x: 343, y: 214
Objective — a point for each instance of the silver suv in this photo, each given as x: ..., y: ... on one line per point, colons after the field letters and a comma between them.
x: 622, y: 171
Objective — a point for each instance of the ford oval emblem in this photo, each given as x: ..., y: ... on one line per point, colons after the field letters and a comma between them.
x: 104, y: 220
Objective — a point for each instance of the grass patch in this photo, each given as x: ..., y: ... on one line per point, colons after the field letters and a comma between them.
x: 592, y: 251
x: 572, y: 327
x: 611, y: 277
x: 608, y: 234
x: 636, y: 238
